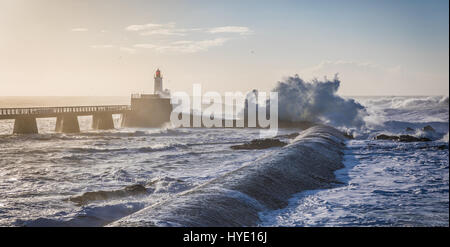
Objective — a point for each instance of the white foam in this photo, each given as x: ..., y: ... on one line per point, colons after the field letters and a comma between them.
x: 317, y: 101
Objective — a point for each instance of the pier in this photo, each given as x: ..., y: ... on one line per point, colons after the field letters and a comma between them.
x: 145, y: 111
x: 66, y: 117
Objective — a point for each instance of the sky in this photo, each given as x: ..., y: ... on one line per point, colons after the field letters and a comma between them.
x: 113, y: 47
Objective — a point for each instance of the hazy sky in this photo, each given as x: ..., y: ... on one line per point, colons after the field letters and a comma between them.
x: 112, y: 47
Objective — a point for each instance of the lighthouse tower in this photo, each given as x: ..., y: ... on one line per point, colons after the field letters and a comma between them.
x: 149, y: 110
x: 158, y: 82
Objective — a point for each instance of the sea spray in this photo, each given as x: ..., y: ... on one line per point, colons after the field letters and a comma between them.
x: 445, y: 138
x: 317, y: 101
x: 406, y: 115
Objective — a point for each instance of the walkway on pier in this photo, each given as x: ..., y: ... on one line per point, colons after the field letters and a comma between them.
x: 66, y: 117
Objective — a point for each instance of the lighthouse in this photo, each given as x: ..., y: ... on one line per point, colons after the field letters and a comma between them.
x: 158, y: 82
x: 149, y: 110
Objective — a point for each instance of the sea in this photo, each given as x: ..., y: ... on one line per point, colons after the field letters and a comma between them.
x: 94, y: 178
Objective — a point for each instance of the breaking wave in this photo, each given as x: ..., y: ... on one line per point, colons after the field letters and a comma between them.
x: 408, y: 102
x: 407, y: 115
x: 94, y: 216
x: 100, y: 207
x: 236, y: 198
x: 159, y: 185
x: 87, y: 197
x: 317, y: 102
x: 445, y: 138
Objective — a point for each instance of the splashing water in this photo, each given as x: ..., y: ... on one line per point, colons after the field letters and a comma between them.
x: 316, y: 101
x: 384, y: 183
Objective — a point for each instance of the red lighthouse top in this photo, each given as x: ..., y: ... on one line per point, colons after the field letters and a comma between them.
x: 158, y: 73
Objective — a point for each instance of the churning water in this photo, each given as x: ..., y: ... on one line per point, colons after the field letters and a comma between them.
x: 98, y: 177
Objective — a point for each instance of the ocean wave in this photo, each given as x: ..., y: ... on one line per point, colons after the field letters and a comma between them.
x: 161, y: 147
x: 101, y: 195
x: 93, y: 216
x: 163, y: 184
x: 405, y: 102
x: 94, y: 150
x: 445, y: 138
x: 125, y: 132
x: 413, y: 128
x: 317, y: 102
x: 405, y: 115
x: 425, y: 102
x: 101, y: 207
x: 167, y: 184
x: 153, y: 148
x: 90, y: 134
x: 235, y: 198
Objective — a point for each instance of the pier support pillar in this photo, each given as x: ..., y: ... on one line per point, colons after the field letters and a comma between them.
x: 25, y: 125
x: 67, y: 123
x: 102, y: 121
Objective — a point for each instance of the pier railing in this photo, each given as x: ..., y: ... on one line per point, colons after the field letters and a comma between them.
x: 52, y: 111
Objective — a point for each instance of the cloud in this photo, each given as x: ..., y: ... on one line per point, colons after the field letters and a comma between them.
x: 127, y: 50
x: 169, y: 29
x: 166, y: 31
x: 328, y: 66
x: 79, y: 29
x: 102, y: 46
x: 159, y: 29
x: 230, y: 29
x: 185, y: 46
x: 119, y: 48
x: 146, y: 46
x: 149, y: 26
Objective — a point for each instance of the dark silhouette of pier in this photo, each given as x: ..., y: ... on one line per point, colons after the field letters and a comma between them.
x: 66, y: 117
